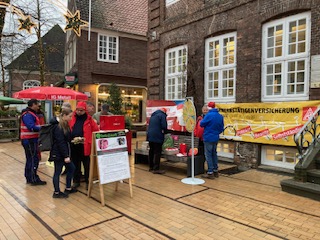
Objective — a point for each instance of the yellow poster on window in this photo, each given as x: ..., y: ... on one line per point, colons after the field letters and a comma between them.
x: 267, y: 123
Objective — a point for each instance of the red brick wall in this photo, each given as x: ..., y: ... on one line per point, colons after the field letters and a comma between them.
x: 19, y: 78
x: 191, y: 22
x: 130, y: 70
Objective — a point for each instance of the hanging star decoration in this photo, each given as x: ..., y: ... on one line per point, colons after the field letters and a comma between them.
x: 26, y: 24
x: 75, y: 23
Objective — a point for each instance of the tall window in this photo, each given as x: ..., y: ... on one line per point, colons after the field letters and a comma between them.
x: 108, y: 48
x: 285, y: 58
x: 176, y: 73
x: 30, y: 84
x: 169, y: 2
x: 220, y: 68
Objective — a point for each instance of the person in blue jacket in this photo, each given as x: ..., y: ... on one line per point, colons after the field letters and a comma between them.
x: 213, y: 124
x: 29, y: 135
x: 60, y: 153
x: 155, y: 135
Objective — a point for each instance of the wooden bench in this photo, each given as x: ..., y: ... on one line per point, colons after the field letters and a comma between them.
x: 141, y: 155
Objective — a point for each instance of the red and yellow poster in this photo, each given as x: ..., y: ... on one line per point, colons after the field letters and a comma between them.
x: 267, y: 123
x: 174, y: 113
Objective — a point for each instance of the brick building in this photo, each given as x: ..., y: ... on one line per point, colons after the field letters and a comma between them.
x: 115, y: 52
x: 236, y: 52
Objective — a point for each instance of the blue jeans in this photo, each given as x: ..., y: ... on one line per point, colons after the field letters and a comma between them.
x: 210, y: 151
x: 57, y: 172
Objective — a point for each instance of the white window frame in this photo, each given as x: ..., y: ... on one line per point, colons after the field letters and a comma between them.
x: 30, y: 84
x: 283, y: 163
x: 285, y: 59
x: 178, y: 77
x: 170, y: 2
x: 107, y: 53
x: 220, y: 69
x: 227, y: 153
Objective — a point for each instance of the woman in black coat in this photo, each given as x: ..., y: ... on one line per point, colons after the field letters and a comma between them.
x: 60, y: 153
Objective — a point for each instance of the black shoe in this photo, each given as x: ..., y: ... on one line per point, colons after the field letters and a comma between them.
x: 208, y: 175
x: 59, y: 195
x: 159, y: 172
x: 76, y: 185
x: 72, y: 190
x: 40, y: 182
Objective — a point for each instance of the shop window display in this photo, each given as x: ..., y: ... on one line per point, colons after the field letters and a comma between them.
x: 132, y: 101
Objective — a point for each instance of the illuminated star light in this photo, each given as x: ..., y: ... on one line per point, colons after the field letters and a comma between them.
x: 75, y: 23
x: 26, y: 24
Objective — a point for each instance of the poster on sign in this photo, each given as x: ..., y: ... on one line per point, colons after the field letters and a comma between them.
x: 174, y: 113
x: 112, y: 154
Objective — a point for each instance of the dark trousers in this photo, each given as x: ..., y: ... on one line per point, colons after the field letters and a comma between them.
x: 154, y: 155
x: 77, y: 156
x: 32, y: 159
x: 58, y: 165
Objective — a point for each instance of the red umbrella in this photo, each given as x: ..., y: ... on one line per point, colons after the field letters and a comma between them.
x: 50, y: 93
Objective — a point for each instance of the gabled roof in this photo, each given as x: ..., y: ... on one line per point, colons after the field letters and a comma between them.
x: 129, y: 16
x: 54, y: 41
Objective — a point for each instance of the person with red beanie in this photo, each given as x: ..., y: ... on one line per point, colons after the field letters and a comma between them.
x: 213, y: 124
x: 82, y: 125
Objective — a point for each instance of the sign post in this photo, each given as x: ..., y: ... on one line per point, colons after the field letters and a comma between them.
x: 189, y: 118
x: 109, y: 161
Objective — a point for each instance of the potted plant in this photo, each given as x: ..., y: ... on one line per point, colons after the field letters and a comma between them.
x: 115, y: 102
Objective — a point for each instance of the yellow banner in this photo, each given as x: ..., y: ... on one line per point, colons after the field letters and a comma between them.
x: 268, y: 123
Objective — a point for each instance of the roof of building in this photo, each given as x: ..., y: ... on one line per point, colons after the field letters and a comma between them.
x: 129, y: 16
x: 54, y: 42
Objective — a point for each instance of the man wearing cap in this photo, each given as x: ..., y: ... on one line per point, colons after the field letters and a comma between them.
x: 155, y: 135
x: 213, y: 125
x: 82, y: 125
x: 29, y: 134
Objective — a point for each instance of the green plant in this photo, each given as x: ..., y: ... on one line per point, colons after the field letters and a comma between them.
x: 128, y: 122
x: 3, y: 113
x: 115, y: 99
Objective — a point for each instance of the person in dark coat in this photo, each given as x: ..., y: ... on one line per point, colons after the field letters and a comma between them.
x: 155, y: 135
x: 60, y: 153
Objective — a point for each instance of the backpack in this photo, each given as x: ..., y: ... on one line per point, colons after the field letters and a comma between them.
x: 46, y: 137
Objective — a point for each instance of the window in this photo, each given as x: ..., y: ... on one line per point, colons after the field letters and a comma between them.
x: 226, y: 149
x: 279, y: 156
x: 30, y: 84
x: 169, y: 2
x: 285, y: 59
x: 176, y: 73
x: 108, y: 48
x: 220, y: 68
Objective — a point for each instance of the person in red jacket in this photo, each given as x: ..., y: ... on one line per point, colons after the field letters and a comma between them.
x: 198, y: 131
x: 82, y: 125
